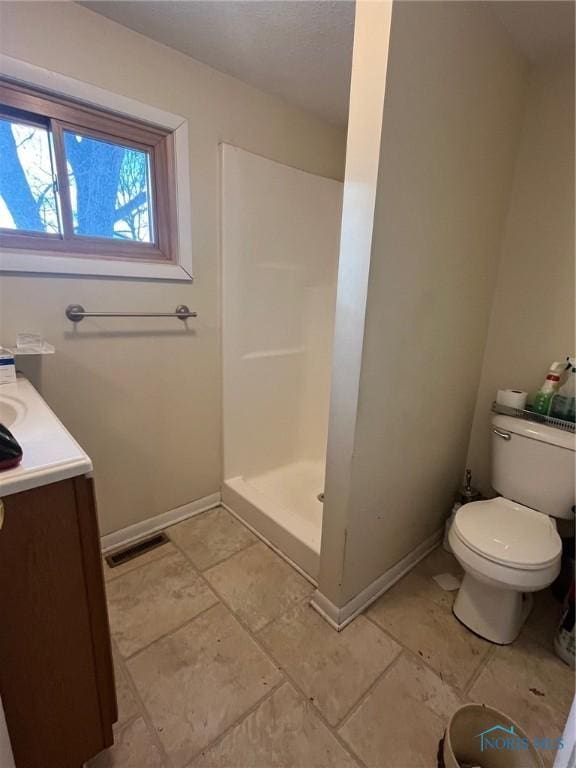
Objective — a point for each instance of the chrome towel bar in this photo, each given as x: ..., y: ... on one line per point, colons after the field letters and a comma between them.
x: 76, y: 312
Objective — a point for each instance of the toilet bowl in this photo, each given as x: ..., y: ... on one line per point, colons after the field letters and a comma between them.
x: 509, y: 546
x: 507, y: 551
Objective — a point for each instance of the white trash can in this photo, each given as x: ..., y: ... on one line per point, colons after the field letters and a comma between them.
x: 478, y: 736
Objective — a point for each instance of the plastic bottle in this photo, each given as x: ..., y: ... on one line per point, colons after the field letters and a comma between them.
x: 552, y: 382
x: 563, y: 404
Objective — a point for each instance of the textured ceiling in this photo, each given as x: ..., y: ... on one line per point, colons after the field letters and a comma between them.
x: 300, y: 50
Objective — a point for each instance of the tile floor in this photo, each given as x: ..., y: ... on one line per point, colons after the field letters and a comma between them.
x: 221, y: 663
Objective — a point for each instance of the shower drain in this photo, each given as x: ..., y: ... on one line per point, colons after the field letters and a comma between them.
x: 320, y: 497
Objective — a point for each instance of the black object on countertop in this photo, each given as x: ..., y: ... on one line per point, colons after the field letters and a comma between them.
x: 10, y: 450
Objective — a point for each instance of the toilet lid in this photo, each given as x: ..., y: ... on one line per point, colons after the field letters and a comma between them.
x: 508, y: 533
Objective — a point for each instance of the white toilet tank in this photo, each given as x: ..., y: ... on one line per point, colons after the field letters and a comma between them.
x: 533, y: 464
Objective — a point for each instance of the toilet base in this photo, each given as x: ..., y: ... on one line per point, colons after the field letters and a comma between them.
x: 493, y: 613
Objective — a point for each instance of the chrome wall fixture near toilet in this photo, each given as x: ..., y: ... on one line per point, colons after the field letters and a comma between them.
x: 509, y: 546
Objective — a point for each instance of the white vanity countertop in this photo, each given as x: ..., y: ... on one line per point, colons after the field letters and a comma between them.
x: 50, y: 452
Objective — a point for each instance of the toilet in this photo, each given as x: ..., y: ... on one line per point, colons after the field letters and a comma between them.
x: 509, y: 546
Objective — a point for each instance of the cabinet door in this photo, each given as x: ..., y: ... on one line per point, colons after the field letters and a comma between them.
x: 96, y: 600
x: 49, y: 680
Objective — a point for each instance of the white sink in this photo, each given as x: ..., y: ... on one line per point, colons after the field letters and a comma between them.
x: 50, y: 453
x: 12, y: 411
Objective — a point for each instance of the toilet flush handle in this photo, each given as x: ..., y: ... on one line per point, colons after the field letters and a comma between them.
x: 502, y: 434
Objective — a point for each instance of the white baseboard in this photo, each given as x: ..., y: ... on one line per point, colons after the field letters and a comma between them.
x: 158, y: 522
x: 341, y: 617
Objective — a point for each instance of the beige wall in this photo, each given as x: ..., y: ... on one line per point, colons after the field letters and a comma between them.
x: 532, y: 320
x: 143, y: 397
x: 450, y: 123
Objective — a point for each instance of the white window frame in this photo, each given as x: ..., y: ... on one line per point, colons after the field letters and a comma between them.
x: 16, y: 260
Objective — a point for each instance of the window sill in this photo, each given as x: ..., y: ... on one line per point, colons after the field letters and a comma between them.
x: 69, y: 264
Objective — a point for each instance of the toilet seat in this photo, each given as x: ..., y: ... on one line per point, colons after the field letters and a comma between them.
x: 508, y: 533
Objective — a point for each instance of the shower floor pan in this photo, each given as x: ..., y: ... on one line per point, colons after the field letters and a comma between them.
x: 282, y: 506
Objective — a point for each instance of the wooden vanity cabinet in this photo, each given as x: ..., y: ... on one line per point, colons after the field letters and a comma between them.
x: 56, y: 671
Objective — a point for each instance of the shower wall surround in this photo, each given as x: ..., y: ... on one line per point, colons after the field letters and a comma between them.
x: 280, y: 234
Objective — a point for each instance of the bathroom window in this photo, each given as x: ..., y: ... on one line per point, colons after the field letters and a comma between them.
x: 81, y: 181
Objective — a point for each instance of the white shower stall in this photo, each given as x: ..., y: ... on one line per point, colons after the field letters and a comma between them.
x: 280, y: 238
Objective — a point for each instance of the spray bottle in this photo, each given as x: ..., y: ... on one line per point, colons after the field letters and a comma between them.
x: 563, y: 404
x: 552, y: 383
